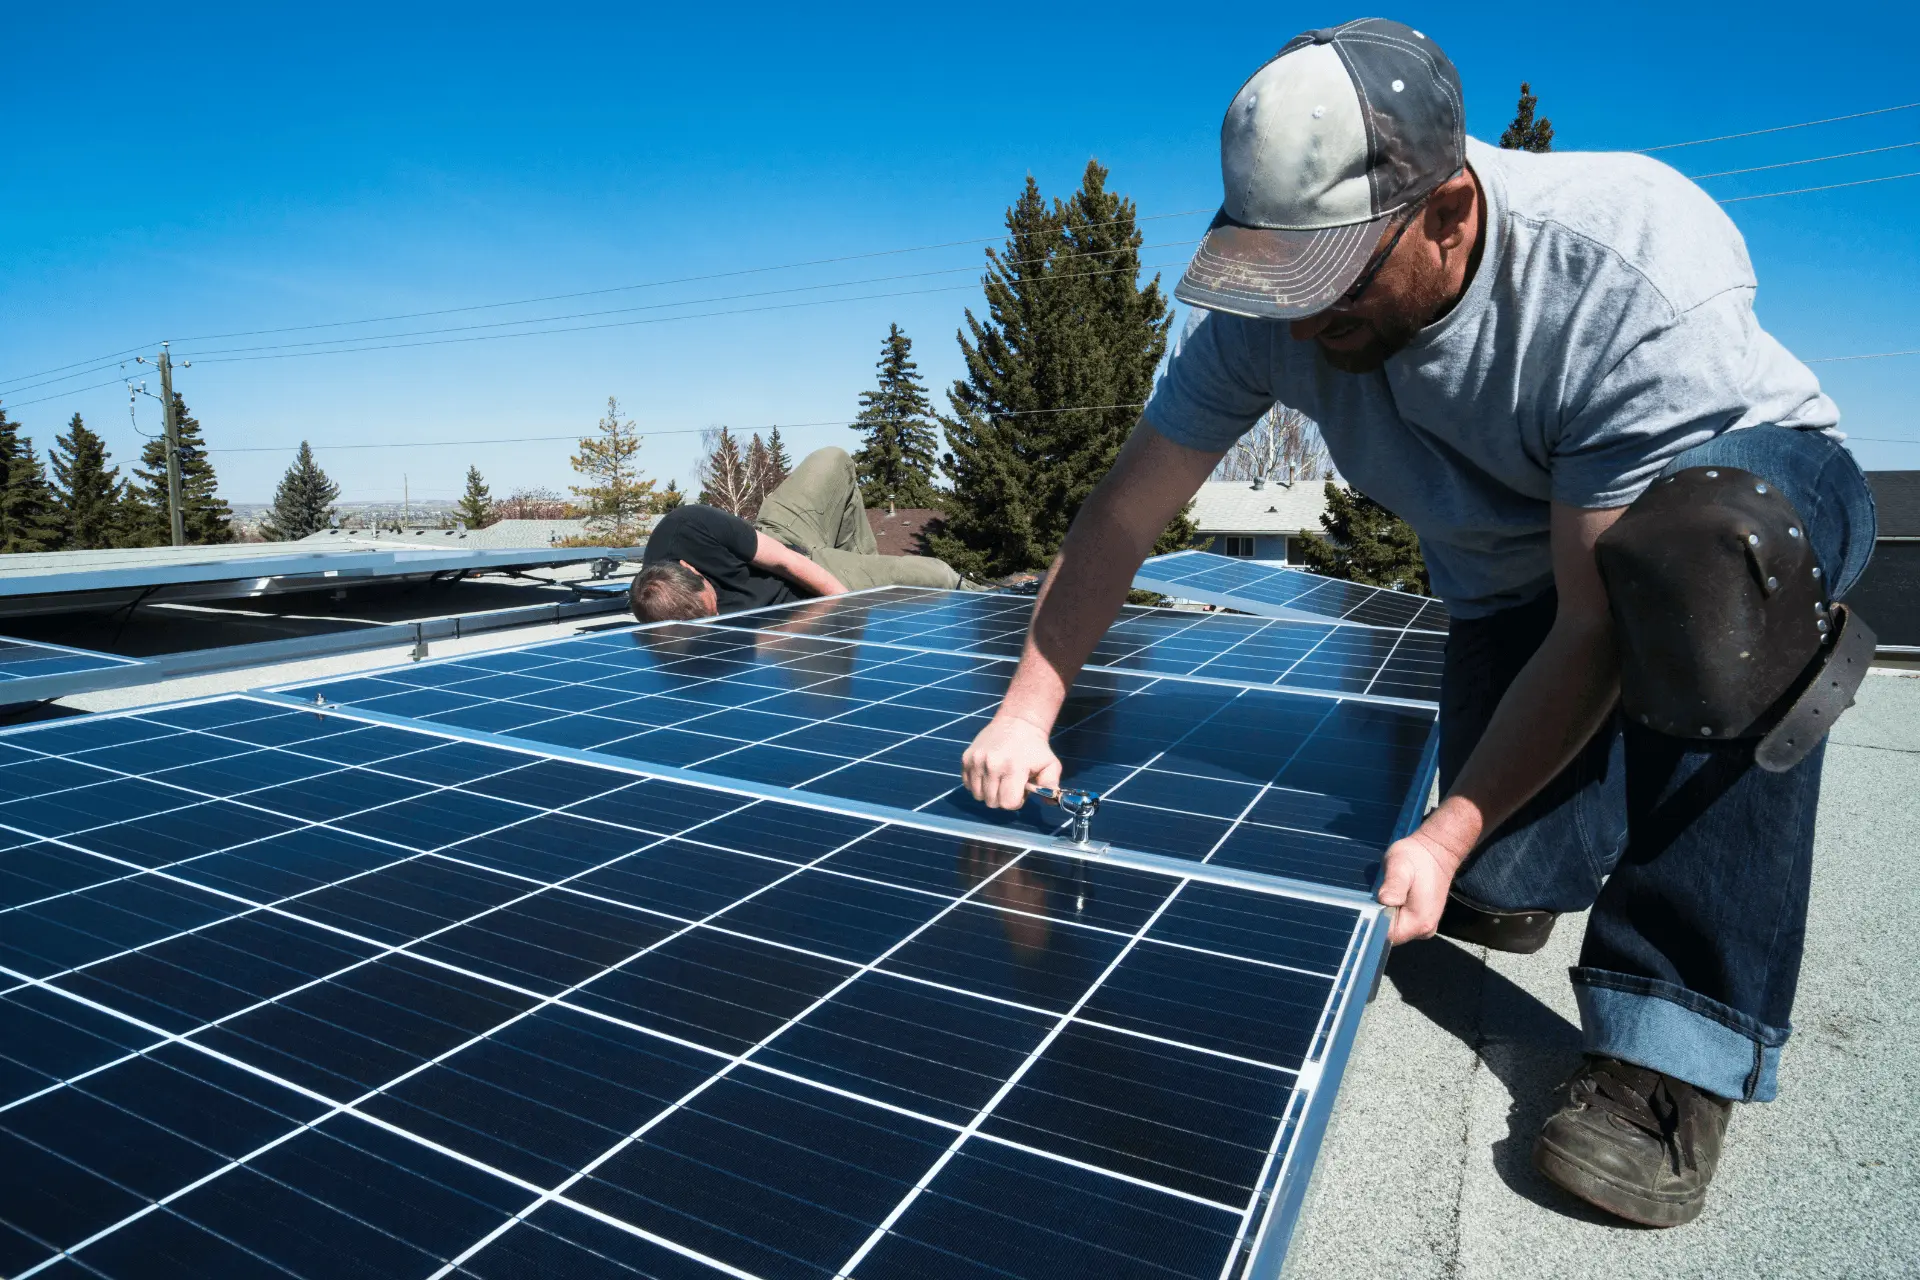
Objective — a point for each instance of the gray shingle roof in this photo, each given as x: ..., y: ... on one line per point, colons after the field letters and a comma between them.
x: 1896, y: 498
x: 1235, y: 506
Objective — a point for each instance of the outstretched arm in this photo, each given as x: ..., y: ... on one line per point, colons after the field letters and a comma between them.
x: 795, y: 568
x: 1549, y: 712
x: 1114, y: 531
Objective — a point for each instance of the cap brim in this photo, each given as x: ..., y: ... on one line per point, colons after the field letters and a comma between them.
x: 1277, y: 274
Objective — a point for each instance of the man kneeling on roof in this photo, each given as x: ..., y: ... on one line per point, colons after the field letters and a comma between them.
x: 1635, y: 505
x: 811, y: 538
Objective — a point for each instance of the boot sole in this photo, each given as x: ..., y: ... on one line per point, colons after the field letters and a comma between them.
x: 1574, y: 1177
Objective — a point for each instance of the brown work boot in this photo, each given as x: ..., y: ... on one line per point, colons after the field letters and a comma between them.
x: 1637, y: 1143
x: 1522, y: 932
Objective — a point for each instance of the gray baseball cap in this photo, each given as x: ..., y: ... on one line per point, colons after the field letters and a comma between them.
x: 1344, y: 128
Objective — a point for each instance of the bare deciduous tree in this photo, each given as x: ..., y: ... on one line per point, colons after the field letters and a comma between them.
x: 726, y: 481
x: 533, y: 503
x: 1284, y: 445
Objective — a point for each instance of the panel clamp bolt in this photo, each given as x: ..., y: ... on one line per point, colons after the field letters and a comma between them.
x: 1079, y: 806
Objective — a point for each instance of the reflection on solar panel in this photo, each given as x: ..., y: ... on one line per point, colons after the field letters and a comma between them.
x: 284, y: 992
x: 1278, y: 592
x: 26, y: 660
x: 1288, y: 784
x: 1291, y: 654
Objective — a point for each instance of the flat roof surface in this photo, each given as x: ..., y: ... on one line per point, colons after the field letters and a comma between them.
x: 1431, y: 1143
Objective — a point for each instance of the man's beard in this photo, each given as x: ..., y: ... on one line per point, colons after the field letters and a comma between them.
x: 1390, y: 334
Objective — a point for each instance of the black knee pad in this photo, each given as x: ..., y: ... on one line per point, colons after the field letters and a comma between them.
x: 1721, y: 616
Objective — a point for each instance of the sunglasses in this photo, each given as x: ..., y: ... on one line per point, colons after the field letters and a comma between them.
x: 1379, y: 260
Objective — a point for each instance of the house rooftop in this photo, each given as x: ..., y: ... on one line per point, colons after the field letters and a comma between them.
x: 1896, y: 499
x: 1276, y: 507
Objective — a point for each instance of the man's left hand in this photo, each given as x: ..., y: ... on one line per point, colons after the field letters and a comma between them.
x: 1419, y: 871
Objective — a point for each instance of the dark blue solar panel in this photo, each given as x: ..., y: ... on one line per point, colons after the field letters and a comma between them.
x: 573, y: 1020
x: 1282, y: 592
x: 26, y: 659
x: 1265, y: 780
x: 1296, y: 653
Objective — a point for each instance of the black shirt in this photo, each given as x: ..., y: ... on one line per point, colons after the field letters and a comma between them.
x: 721, y: 547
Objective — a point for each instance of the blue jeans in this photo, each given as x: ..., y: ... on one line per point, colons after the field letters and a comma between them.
x: 1696, y: 862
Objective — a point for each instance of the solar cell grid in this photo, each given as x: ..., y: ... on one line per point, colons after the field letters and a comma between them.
x: 1297, y: 653
x: 1257, y: 779
x: 26, y: 659
x: 1282, y: 592
x: 631, y: 1025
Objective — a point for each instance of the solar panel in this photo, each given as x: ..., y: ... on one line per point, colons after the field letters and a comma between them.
x: 1278, y: 592
x: 287, y: 992
x: 1292, y: 654
x: 56, y: 581
x: 31, y: 660
x: 1303, y: 786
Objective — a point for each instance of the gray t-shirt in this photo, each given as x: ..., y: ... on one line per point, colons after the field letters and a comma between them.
x: 1609, y: 327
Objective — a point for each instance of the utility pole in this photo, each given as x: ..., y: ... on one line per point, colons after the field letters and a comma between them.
x: 175, y: 508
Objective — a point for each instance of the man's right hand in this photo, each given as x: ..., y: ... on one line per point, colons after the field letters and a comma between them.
x: 1005, y: 756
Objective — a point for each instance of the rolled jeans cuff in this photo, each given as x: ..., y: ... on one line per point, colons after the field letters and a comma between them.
x: 1681, y: 1033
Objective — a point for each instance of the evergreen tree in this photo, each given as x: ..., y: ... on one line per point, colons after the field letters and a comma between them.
x: 28, y: 520
x: 724, y: 480
x: 475, y: 508
x: 615, y: 494
x: 665, y: 500
x: 303, y: 503
x: 779, y: 465
x: 205, y: 515
x: 87, y: 494
x: 1054, y: 379
x: 1527, y: 133
x: 899, y: 450
x: 1365, y: 543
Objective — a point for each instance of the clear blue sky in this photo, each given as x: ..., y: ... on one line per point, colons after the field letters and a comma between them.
x: 175, y: 171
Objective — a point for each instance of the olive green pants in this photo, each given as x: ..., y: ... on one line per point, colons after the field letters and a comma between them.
x: 817, y: 509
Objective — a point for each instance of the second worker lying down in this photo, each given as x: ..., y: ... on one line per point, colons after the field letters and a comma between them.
x: 811, y: 538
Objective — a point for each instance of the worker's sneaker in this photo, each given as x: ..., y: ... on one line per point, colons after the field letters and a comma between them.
x: 1637, y: 1143
x: 1524, y: 932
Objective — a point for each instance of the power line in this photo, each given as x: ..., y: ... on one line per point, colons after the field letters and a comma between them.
x: 623, y: 324
x: 1831, y: 186
x: 104, y: 360
x: 71, y: 391
x: 100, y: 361
x: 689, y: 302
x: 675, y: 431
x: 1779, y: 128
x: 1788, y: 164
x: 1875, y: 355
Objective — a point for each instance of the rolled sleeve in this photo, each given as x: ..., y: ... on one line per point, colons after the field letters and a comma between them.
x: 1214, y: 388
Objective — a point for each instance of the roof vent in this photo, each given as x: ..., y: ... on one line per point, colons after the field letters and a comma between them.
x: 1259, y: 483
x: 1273, y: 511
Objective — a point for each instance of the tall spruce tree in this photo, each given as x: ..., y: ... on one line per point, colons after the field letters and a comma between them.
x: 1365, y: 543
x: 88, y: 502
x: 1526, y: 133
x: 205, y: 515
x: 779, y: 465
x: 899, y: 450
x: 665, y: 500
x: 303, y: 503
x: 1054, y: 379
x: 28, y: 521
x: 475, y: 508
